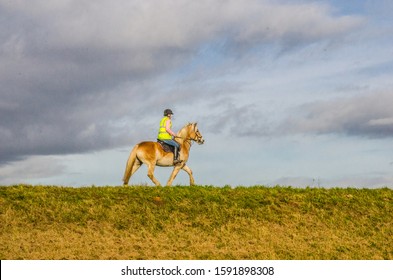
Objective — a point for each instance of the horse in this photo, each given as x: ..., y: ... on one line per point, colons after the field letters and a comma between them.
x: 152, y: 154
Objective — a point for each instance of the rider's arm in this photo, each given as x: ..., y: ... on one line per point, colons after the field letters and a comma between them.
x: 168, y: 128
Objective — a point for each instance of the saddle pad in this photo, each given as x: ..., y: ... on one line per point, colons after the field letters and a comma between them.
x: 167, y: 148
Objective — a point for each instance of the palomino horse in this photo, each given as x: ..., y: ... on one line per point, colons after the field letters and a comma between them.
x: 152, y: 154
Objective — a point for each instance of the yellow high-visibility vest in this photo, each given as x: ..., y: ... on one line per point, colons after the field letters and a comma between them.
x: 162, y: 133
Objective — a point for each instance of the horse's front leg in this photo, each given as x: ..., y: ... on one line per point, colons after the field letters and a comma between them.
x: 189, y: 172
x: 173, y: 175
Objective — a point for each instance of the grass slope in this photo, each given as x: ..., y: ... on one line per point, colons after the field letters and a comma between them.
x: 203, y: 222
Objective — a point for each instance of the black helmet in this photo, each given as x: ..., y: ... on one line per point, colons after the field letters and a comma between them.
x: 167, y: 112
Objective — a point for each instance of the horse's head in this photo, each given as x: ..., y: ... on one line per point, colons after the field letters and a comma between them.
x: 195, y: 134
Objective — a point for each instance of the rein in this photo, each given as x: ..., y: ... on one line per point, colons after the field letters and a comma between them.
x: 188, y: 139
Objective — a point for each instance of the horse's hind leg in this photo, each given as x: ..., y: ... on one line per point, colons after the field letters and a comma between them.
x: 150, y: 174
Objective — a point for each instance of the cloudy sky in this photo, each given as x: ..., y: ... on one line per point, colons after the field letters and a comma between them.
x: 285, y: 92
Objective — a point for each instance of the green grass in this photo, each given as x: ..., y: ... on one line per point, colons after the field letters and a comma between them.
x: 202, y: 222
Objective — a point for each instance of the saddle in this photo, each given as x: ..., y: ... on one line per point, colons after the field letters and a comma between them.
x: 167, y: 148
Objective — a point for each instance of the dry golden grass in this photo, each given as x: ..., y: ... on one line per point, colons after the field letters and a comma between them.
x: 195, y: 223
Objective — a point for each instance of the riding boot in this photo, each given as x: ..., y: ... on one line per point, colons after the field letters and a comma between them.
x: 176, y: 156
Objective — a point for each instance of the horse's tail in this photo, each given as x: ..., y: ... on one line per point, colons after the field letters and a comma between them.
x: 130, y: 164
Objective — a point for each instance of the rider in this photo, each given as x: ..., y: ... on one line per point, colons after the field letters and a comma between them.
x: 165, y: 134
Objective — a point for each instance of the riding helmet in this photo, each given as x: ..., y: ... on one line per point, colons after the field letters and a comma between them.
x: 167, y: 112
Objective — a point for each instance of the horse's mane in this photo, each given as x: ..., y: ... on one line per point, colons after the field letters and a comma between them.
x: 181, y: 131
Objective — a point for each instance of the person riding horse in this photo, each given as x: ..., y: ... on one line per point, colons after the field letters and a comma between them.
x: 166, y: 135
x: 152, y: 154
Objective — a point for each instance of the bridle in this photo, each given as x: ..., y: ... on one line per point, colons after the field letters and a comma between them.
x: 198, y: 137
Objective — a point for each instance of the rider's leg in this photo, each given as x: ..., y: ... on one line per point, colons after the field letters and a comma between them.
x: 176, y: 156
x: 176, y: 146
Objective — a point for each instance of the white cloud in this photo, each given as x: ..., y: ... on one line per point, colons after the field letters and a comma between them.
x: 381, y: 122
x: 32, y: 168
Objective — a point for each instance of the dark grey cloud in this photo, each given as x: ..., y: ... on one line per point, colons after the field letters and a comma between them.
x: 73, y: 71
x: 365, y: 115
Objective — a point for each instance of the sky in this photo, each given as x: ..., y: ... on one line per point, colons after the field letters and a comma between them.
x: 294, y: 93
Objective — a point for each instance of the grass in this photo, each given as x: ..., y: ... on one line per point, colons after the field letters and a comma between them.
x: 202, y: 222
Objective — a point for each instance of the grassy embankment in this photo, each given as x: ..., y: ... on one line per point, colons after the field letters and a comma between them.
x: 50, y: 222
